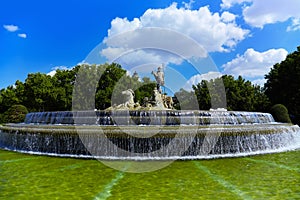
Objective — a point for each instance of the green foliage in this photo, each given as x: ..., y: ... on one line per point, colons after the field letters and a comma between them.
x: 115, y: 80
x: 86, y: 86
x: 282, y: 86
x: 143, y: 89
x: 8, y: 97
x: 97, y: 86
x: 226, y: 92
x: 14, y: 114
x: 63, y: 83
x: 186, y: 100
x: 100, y: 86
x: 280, y: 113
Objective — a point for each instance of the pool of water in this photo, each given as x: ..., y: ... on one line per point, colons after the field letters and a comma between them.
x: 270, y: 176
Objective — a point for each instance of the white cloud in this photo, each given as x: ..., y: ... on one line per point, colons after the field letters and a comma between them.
x: 214, y: 33
x: 205, y: 27
x: 141, y: 56
x: 227, y: 17
x: 151, y: 45
x: 14, y: 28
x: 189, y: 4
x: 259, y: 82
x: 194, y: 80
x: 22, y: 35
x: 54, y: 69
x: 295, y: 25
x: 119, y: 25
x: 230, y: 3
x: 83, y: 63
x: 11, y: 28
x: 271, y: 11
x: 254, y: 64
x: 258, y: 13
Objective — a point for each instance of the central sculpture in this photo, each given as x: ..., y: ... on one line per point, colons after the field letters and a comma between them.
x: 159, y: 100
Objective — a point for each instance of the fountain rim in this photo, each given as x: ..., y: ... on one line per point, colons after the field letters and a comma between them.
x: 265, y: 128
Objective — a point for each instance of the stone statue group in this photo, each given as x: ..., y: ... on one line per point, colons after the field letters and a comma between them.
x: 160, y: 101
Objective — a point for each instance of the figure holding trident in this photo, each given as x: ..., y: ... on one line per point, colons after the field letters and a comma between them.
x: 159, y: 77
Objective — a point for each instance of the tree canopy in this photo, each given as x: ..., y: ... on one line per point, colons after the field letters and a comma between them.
x: 226, y: 92
x: 282, y: 86
x: 42, y: 92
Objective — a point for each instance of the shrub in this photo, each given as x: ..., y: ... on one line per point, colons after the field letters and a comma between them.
x: 280, y: 113
x: 15, y: 114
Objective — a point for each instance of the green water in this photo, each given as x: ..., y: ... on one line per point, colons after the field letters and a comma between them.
x: 272, y: 176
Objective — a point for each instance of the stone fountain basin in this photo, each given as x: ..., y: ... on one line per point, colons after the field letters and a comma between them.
x: 149, y: 142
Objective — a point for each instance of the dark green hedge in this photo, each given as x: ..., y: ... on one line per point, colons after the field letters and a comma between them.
x: 15, y: 114
x: 280, y: 113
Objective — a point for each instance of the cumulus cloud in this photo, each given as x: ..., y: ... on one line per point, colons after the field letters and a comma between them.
x: 227, y: 17
x: 11, y: 28
x: 141, y: 56
x: 258, y: 13
x: 154, y: 45
x: 264, y: 12
x: 194, y: 80
x: 254, y: 64
x: 208, y: 29
x: 22, y: 35
x: 212, y: 31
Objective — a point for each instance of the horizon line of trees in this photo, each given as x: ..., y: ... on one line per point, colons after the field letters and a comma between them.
x: 42, y: 92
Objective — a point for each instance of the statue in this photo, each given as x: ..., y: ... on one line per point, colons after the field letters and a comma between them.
x: 128, y: 102
x: 159, y: 77
x: 168, y: 101
x: 135, y: 75
x: 129, y: 98
x: 159, y: 103
x: 147, y: 104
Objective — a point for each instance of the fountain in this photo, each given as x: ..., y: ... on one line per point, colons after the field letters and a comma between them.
x: 149, y: 132
x: 114, y: 135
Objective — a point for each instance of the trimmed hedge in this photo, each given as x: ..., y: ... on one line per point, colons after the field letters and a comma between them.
x: 280, y: 113
x: 14, y: 114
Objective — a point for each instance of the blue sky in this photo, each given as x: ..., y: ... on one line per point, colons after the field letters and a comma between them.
x: 238, y: 37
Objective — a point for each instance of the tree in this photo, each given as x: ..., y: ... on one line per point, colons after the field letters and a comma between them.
x: 186, y: 100
x: 242, y: 95
x: 282, y: 86
x: 63, y: 82
x: 8, y: 97
x: 143, y: 89
x: 113, y: 80
x: 234, y: 94
x: 105, y: 82
x: 39, y: 92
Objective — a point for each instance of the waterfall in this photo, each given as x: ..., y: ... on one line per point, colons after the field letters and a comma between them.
x: 151, y: 117
x: 170, y: 142
x: 149, y: 134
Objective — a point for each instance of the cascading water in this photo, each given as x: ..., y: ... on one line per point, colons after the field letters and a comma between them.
x: 148, y: 135
x: 151, y: 117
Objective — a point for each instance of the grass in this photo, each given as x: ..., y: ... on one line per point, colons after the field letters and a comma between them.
x: 271, y: 176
